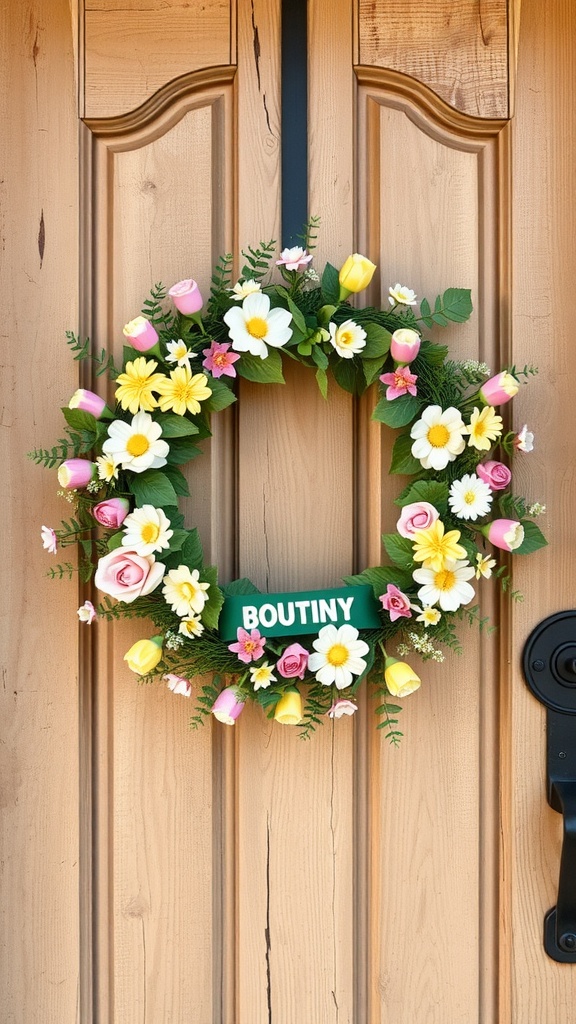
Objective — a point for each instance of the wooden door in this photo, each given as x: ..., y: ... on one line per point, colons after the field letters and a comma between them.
x: 240, y: 876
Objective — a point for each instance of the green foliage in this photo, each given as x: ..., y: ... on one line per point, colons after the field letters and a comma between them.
x: 398, y: 412
x: 257, y: 260
x: 104, y: 362
x: 152, y: 487
x: 262, y: 371
x: 454, y: 305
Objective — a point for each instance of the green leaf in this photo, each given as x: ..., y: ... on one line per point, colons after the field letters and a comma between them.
x: 238, y: 588
x: 469, y: 547
x: 330, y: 285
x: 432, y: 353
x: 398, y: 412
x: 371, y: 368
x: 222, y: 396
x: 115, y: 540
x: 319, y: 357
x: 348, y: 377
x: 178, y: 480
x: 152, y: 488
x: 377, y: 341
x: 80, y: 420
x: 402, y: 459
x: 182, y: 450
x: 379, y: 577
x: 399, y: 550
x: 176, y: 426
x: 325, y: 313
x: 456, y: 304
x: 192, y: 553
x: 262, y: 371
x: 533, y: 538
x: 425, y: 312
x: 211, y: 610
x: 297, y: 316
x: 322, y: 381
x: 433, y: 491
x: 176, y: 541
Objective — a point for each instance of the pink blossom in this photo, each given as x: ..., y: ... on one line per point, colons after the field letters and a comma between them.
x: 140, y: 334
x: 74, y: 474
x: 495, y: 474
x: 294, y: 662
x: 186, y: 296
x: 49, y: 539
x: 342, y: 707
x: 396, y: 603
x: 294, y: 259
x: 219, y: 360
x: 524, y: 441
x: 405, y: 345
x: 87, y: 401
x: 506, y: 534
x: 400, y: 382
x: 499, y: 389
x: 249, y: 646
x: 228, y: 705
x: 126, y: 575
x: 111, y: 513
x: 178, y: 684
x: 419, y: 515
x: 87, y: 613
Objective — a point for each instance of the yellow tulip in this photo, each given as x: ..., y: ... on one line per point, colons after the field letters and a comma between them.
x: 355, y: 275
x: 144, y: 655
x: 289, y: 709
x: 400, y: 678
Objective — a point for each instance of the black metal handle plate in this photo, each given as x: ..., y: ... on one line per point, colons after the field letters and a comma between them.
x: 549, y: 663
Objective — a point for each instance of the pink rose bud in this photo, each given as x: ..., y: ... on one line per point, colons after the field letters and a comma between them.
x: 178, y: 684
x: 342, y: 707
x: 294, y: 662
x: 495, y: 474
x: 227, y: 706
x: 87, y: 401
x: 405, y: 345
x: 396, y: 603
x: 140, y: 334
x: 111, y: 513
x: 507, y: 534
x: 417, y: 516
x: 499, y: 389
x: 186, y: 296
x: 75, y: 474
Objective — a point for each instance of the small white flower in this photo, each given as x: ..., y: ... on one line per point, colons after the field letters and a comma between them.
x: 191, y: 626
x: 137, y: 446
x: 146, y: 530
x: 87, y: 613
x: 447, y: 587
x: 524, y: 440
x: 261, y: 676
x: 49, y: 539
x: 178, y: 684
x: 484, y: 566
x: 536, y: 509
x: 470, y: 497
x: 108, y: 466
x: 242, y: 289
x: 178, y: 352
x: 400, y: 295
x: 342, y: 707
x: 438, y: 437
x: 183, y: 591
x: 429, y: 616
x: 338, y: 657
x: 255, y: 326
x: 349, y: 339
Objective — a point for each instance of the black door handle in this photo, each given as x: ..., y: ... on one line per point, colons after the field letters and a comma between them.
x: 549, y: 663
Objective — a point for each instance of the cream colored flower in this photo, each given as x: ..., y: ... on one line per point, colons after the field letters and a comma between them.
x: 135, y: 386
x: 470, y: 497
x: 484, y: 566
x: 438, y: 437
x: 447, y: 587
x: 261, y: 676
x: 429, y: 616
x: 108, y: 467
x: 146, y: 530
x: 242, y: 289
x: 137, y: 446
x: 255, y: 326
x: 191, y: 626
x: 182, y: 392
x: 349, y: 339
x: 338, y: 656
x: 484, y: 428
x: 401, y: 296
x: 183, y: 591
x: 178, y: 352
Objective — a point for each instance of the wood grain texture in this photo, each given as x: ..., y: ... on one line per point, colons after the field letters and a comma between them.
x: 459, y: 48
x: 39, y: 691
x: 132, y: 49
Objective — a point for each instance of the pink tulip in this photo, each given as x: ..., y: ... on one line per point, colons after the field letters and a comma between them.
x: 74, y: 474
x: 87, y: 401
x: 506, y: 534
x: 495, y: 474
x: 227, y: 706
x: 186, y: 296
x: 111, y: 513
x: 140, y: 334
x: 405, y: 345
x: 499, y: 389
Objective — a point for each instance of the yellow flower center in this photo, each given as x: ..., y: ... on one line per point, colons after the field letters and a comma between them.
x: 469, y: 497
x: 438, y: 435
x: 249, y: 646
x: 346, y: 338
x: 480, y: 428
x: 257, y: 327
x: 150, y: 533
x: 138, y: 444
x: 220, y: 359
x: 337, y: 655
x: 445, y: 580
x: 187, y: 590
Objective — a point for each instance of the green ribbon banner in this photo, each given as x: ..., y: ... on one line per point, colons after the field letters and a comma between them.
x: 305, y: 612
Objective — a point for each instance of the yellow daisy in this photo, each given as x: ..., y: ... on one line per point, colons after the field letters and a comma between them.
x: 484, y: 428
x: 135, y: 386
x: 184, y: 592
x: 434, y: 548
x: 182, y: 392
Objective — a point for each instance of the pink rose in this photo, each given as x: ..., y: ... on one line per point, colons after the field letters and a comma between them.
x: 396, y: 603
x: 111, y: 513
x: 417, y: 516
x: 125, y: 575
x: 186, y: 296
x: 294, y: 662
x: 495, y: 474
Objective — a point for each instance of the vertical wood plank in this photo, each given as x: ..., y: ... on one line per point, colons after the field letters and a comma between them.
x: 39, y: 694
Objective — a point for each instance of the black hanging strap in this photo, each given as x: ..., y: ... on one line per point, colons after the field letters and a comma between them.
x: 294, y: 120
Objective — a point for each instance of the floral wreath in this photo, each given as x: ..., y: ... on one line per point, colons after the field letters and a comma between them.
x: 120, y: 468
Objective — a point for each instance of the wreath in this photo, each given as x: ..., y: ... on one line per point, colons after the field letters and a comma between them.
x: 301, y: 657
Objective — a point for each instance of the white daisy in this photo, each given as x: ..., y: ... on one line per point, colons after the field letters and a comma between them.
x: 484, y: 566
x: 348, y: 339
x: 137, y: 445
x: 261, y: 676
x: 338, y: 656
x: 470, y: 497
x: 446, y: 587
x: 438, y: 437
x: 400, y: 295
x: 183, y: 591
x: 108, y: 466
x: 178, y: 352
x: 191, y: 626
x: 146, y: 530
x: 255, y: 325
x: 242, y: 289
